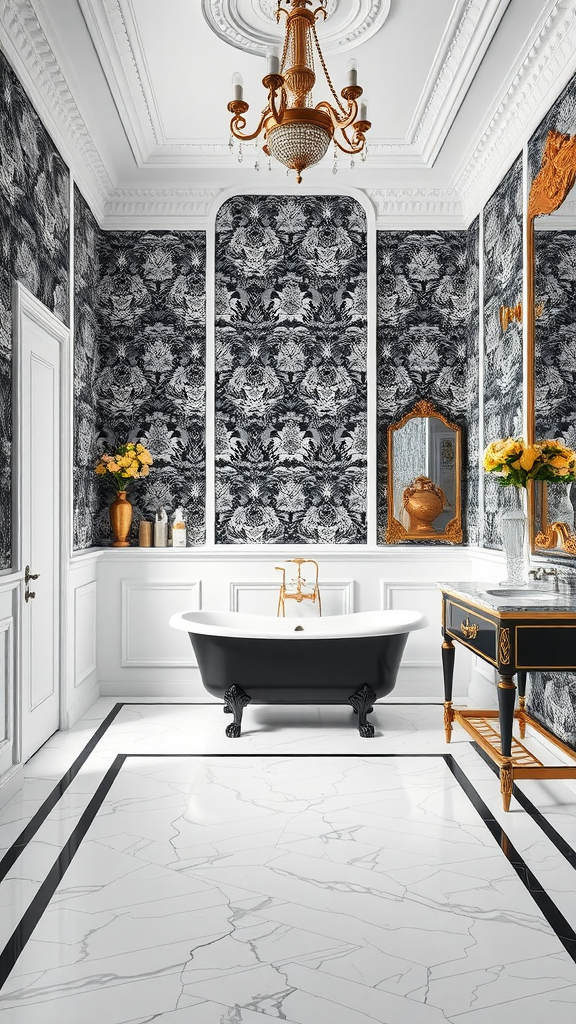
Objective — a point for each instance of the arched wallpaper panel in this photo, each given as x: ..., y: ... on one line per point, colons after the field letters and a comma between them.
x: 290, y: 365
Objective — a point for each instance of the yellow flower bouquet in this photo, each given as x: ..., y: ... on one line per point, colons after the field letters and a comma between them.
x: 130, y: 462
x: 514, y: 462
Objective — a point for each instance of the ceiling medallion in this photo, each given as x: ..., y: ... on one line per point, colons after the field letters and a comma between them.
x: 250, y: 25
x: 296, y: 132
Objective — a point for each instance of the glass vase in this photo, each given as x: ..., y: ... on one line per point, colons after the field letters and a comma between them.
x: 513, y: 531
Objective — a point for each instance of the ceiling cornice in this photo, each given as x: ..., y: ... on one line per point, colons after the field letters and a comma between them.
x: 23, y: 40
x: 416, y: 208
x: 544, y: 68
x: 156, y: 208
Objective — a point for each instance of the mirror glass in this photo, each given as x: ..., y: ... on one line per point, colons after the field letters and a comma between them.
x: 424, y: 478
x: 554, y: 357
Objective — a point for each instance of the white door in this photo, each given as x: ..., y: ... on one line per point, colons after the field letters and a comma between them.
x: 38, y: 350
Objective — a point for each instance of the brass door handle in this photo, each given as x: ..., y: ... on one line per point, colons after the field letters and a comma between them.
x: 469, y: 629
x: 30, y: 576
x: 28, y: 595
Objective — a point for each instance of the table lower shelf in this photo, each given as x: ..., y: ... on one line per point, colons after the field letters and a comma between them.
x: 522, y: 764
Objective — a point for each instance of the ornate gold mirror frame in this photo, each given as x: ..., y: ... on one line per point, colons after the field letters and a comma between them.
x: 549, y: 189
x: 423, y: 499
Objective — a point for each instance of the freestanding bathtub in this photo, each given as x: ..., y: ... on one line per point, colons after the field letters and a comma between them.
x: 338, y: 659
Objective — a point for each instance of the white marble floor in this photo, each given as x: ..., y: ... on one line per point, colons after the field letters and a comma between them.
x: 297, y: 873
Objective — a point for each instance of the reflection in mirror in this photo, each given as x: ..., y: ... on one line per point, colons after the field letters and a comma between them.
x: 424, y: 477
x: 552, y: 299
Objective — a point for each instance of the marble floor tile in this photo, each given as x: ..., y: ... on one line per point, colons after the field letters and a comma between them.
x: 299, y: 888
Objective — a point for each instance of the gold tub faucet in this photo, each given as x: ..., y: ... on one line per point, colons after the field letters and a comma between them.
x: 295, y: 589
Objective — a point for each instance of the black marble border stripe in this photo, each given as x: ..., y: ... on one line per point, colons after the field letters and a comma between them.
x: 31, y: 917
x: 33, y: 914
x: 28, y: 833
x: 558, y: 841
x: 19, y: 845
x: 547, y: 907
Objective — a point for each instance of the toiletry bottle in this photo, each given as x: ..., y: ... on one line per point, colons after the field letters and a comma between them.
x: 161, y: 529
x: 179, y: 529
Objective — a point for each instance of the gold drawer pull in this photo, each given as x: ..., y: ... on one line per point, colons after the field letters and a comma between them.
x: 469, y: 629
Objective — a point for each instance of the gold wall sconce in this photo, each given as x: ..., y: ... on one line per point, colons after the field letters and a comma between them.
x: 295, y: 590
x: 509, y: 315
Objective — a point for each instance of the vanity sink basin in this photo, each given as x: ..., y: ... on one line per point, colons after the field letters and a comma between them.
x: 520, y: 595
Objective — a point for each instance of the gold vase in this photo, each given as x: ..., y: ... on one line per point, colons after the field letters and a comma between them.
x: 120, y: 520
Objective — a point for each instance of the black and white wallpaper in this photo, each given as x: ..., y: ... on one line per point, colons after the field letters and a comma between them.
x: 472, y: 463
x: 426, y: 292
x: 149, y: 383
x: 503, y: 352
x: 34, y: 244
x: 291, y: 344
x: 87, y: 240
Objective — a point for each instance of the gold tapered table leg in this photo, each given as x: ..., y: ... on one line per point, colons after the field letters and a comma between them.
x: 506, y: 784
x: 448, y: 719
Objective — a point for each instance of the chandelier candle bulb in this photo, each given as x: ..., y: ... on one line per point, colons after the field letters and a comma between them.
x: 364, y: 110
x: 272, y: 61
x: 238, y: 86
x: 352, y: 72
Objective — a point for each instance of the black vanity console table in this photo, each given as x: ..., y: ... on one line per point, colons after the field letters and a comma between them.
x: 532, y: 632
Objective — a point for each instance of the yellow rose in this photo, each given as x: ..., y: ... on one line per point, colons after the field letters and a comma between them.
x: 559, y: 462
x: 101, y: 469
x: 144, y: 471
x: 528, y: 458
x: 113, y: 467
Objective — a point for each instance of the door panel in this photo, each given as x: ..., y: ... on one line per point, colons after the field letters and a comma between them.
x: 39, y: 514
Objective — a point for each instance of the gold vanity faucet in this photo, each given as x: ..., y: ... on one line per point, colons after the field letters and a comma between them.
x: 298, y: 594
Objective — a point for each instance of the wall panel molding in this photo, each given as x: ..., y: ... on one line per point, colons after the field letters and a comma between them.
x: 337, y: 596
x: 84, y: 632
x: 146, y: 638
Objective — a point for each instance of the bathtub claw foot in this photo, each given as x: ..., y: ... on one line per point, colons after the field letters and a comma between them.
x: 362, y: 701
x: 235, y: 700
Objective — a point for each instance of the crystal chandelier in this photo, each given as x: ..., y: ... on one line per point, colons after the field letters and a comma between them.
x: 297, y: 133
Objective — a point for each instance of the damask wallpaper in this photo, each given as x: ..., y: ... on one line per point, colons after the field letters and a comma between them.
x: 149, y: 383
x: 503, y: 359
x: 34, y: 241
x: 472, y: 464
x: 291, y: 343
x: 87, y: 241
x: 426, y: 290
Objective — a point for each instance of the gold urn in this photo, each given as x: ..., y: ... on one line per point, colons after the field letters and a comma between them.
x: 423, y: 501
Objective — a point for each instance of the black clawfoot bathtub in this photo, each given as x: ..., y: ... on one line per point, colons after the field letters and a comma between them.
x: 335, y: 660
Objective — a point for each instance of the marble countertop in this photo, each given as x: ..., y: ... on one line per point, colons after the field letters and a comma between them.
x: 537, y: 597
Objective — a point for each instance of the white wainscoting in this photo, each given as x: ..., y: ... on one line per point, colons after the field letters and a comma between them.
x: 147, y: 639
x: 139, y: 655
x: 10, y: 596
x: 80, y: 682
x: 421, y: 668
x: 84, y: 632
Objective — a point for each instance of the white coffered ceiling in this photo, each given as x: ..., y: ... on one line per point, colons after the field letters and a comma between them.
x: 135, y: 92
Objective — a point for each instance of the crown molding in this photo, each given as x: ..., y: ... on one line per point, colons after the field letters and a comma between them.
x: 23, y: 40
x: 133, y: 209
x: 181, y: 209
x: 465, y: 42
x: 543, y: 69
x: 416, y: 208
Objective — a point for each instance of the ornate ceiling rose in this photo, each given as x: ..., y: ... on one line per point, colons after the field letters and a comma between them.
x: 250, y: 25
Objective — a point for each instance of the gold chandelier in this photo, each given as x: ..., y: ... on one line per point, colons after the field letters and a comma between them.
x: 297, y: 133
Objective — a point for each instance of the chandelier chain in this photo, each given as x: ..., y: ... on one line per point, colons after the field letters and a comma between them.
x: 325, y: 70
